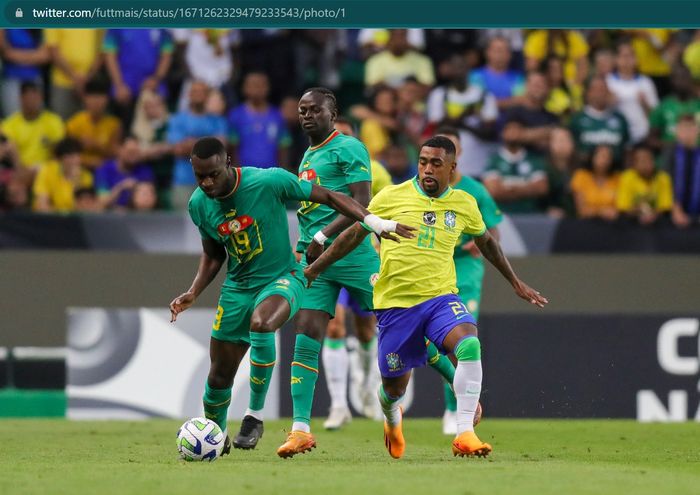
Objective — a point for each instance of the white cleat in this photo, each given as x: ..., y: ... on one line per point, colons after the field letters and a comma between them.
x: 338, y: 417
x: 449, y: 423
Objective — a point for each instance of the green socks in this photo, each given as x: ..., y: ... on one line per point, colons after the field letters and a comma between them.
x: 262, y: 362
x: 304, y: 376
x: 440, y: 362
x: 450, y: 399
x: 216, y: 402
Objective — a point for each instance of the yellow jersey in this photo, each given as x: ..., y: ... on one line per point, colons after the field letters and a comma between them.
x: 36, y: 138
x: 415, y: 270
x: 52, y: 183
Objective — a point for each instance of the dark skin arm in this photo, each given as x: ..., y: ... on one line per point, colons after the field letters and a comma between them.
x: 213, y: 257
x: 347, y: 206
x: 491, y: 250
x: 344, y: 244
x: 360, y: 192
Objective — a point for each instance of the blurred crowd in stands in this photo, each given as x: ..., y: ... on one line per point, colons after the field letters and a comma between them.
x: 587, y: 123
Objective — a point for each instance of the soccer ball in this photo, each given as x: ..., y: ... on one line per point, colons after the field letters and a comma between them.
x: 200, y: 439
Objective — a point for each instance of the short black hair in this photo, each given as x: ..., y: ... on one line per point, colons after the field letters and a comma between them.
x: 97, y: 86
x: 327, y: 94
x: 440, y: 142
x: 207, y: 147
x: 28, y: 86
x: 447, y: 130
x: 66, y: 147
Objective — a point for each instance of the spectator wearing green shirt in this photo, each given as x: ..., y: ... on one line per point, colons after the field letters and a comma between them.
x: 516, y: 177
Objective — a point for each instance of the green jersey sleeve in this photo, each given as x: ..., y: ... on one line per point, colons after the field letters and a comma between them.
x: 287, y: 185
x: 490, y: 211
x: 355, y: 162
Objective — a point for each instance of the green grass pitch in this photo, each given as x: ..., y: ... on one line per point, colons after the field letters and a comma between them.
x: 530, y: 457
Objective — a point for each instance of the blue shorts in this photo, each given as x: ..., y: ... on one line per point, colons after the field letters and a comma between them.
x: 402, y: 332
x: 345, y: 299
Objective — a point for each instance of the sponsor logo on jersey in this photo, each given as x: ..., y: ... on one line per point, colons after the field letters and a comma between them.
x: 450, y: 219
x: 307, y: 164
x: 236, y: 225
x: 394, y: 361
x: 283, y: 281
x: 373, y: 279
x: 429, y: 217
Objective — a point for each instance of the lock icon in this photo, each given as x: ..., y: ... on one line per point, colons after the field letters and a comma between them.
x: 18, y: 13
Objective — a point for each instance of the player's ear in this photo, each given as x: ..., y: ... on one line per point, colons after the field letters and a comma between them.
x: 228, y: 161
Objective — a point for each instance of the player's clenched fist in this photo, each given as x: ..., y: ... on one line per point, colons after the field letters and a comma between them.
x: 180, y: 304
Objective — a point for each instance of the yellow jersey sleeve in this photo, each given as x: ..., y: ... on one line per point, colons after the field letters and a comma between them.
x: 474, y: 222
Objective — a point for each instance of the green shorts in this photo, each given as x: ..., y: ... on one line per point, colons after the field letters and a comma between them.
x: 357, y: 272
x: 232, y: 321
x: 470, y: 275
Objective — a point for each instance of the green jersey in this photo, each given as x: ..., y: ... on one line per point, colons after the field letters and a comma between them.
x: 592, y: 128
x: 252, y: 224
x: 487, y: 206
x: 470, y: 270
x: 666, y: 114
x: 336, y: 163
x: 519, y: 167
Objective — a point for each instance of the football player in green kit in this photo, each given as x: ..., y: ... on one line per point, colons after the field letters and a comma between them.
x: 340, y: 163
x: 241, y: 215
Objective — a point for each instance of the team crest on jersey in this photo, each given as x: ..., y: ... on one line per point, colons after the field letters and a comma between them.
x: 450, y: 219
x: 373, y: 279
x: 394, y: 362
x: 309, y: 175
x: 429, y: 217
x: 236, y: 225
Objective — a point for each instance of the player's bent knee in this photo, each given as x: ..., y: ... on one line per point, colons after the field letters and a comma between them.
x: 260, y: 325
x: 219, y: 380
x: 468, y: 349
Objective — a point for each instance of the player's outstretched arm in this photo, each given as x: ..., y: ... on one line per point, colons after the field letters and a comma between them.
x: 492, y: 251
x: 213, y: 257
x: 360, y: 192
x: 350, y: 208
x: 344, y: 244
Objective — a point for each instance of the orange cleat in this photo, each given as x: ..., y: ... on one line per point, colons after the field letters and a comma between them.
x: 298, y: 442
x: 393, y: 438
x: 469, y: 444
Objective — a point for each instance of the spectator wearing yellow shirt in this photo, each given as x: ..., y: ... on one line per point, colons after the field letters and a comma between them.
x: 378, y: 122
x: 76, y: 58
x: 595, y: 186
x: 56, y: 182
x: 564, y: 97
x: 397, y: 62
x: 98, y: 133
x: 656, y: 52
x: 32, y: 129
x: 645, y: 193
x: 691, y: 55
x: 569, y: 45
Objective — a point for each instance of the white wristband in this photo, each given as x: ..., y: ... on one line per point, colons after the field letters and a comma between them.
x: 320, y: 237
x: 379, y: 225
